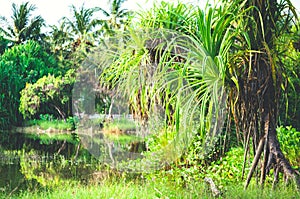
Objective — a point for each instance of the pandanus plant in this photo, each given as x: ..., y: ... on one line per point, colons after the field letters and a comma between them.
x: 212, y: 67
x: 260, y: 79
x: 173, y: 68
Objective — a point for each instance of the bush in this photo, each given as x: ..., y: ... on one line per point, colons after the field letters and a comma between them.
x: 227, y: 169
x: 289, y: 139
x: 48, y: 91
x: 19, y: 65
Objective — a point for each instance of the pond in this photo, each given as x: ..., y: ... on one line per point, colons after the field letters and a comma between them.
x: 31, y: 161
x: 25, y: 159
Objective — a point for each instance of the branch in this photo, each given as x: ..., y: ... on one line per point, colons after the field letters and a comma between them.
x: 255, y: 161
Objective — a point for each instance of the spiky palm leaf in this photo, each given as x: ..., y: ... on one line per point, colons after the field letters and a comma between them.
x: 82, y: 22
x: 177, y: 72
x: 116, y: 17
x: 23, y: 27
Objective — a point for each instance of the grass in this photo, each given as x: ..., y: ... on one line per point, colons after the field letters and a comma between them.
x: 60, y: 125
x: 117, y: 188
x: 153, y: 188
x: 254, y: 192
x: 54, y: 124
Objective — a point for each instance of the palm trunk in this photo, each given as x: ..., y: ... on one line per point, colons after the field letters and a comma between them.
x: 280, y: 162
x: 272, y: 158
x: 260, y: 79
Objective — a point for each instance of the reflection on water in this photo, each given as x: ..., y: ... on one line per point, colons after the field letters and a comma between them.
x: 10, y: 177
x: 29, y: 163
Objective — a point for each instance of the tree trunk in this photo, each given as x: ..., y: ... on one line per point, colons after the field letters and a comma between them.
x: 260, y: 79
x: 273, y: 157
x: 281, y: 163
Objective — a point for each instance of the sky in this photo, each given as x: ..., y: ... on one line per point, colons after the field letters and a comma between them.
x: 52, y: 11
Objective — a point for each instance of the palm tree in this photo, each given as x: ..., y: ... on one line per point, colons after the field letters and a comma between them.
x: 116, y: 16
x: 214, y: 65
x: 60, y: 41
x: 224, y: 63
x: 59, y: 36
x: 259, y: 77
x: 166, y: 15
x: 82, y: 29
x: 24, y: 26
x: 82, y: 25
x: 175, y: 71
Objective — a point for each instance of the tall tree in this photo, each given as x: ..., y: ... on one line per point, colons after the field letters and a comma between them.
x: 222, y: 62
x: 260, y: 79
x: 19, y: 65
x: 59, y: 37
x: 60, y: 41
x: 24, y: 26
x: 115, y: 16
x: 82, y: 29
x: 82, y: 24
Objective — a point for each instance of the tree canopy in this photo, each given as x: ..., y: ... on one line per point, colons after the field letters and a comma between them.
x: 24, y: 26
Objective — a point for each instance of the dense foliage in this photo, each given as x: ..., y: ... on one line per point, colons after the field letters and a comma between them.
x: 48, y: 91
x: 224, y: 70
x: 20, y: 65
x: 212, y: 93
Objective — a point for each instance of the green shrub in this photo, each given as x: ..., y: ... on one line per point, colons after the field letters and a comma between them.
x: 48, y: 91
x: 228, y: 169
x: 46, y: 117
x: 289, y: 139
x: 47, y: 121
x: 19, y: 65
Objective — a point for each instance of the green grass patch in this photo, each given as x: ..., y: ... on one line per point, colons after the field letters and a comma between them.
x: 153, y: 188
x: 54, y: 124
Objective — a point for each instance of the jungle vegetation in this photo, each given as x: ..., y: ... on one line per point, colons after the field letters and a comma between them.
x: 217, y: 88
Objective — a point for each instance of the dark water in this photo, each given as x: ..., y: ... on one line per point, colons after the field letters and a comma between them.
x: 26, y: 163
x: 10, y: 177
